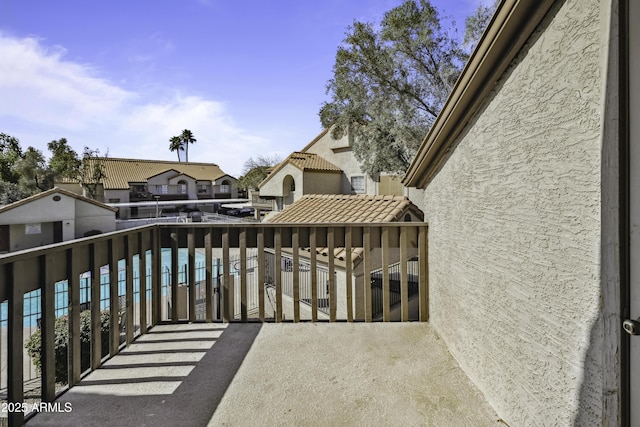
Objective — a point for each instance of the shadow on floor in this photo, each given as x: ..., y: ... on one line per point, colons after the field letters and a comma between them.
x: 147, y: 382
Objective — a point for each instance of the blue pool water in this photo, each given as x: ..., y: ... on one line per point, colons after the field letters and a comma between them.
x: 32, y: 310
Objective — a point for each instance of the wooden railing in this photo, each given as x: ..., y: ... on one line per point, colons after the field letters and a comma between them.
x: 236, y: 283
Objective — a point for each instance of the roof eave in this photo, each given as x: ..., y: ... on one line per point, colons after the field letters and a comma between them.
x: 510, y: 27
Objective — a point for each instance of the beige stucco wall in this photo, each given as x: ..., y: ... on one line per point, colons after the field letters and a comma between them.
x: 42, y: 210
x: 514, y: 229
x: 273, y: 187
x: 340, y: 154
x: 90, y: 217
x: 19, y: 240
x: 77, y: 217
x: 321, y: 183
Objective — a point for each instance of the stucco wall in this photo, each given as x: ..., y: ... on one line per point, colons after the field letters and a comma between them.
x: 91, y: 217
x: 514, y: 220
x: 340, y: 154
x: 321, y: 183
x: 19, y: 240
x: 273, y: 187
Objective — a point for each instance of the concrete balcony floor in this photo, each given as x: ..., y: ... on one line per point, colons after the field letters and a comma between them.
x: 301, y: 374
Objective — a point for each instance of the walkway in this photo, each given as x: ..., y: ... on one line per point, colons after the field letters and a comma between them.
x: 278, y: 374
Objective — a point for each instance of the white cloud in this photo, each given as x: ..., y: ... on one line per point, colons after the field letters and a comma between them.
x: 46, y: 97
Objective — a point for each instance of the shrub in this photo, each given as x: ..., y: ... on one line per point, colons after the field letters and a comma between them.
x: 61, y: 331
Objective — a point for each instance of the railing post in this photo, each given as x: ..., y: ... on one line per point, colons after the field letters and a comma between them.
x: 128, y: 265
x: 366, y: 261
x: 174, y: 275
x: 208, y: 274
x: 227, y: 308
x: 95, y: 252
x: 386, y: 292
x: 243, y: 275
x: 423, y: 257
x: 348, y: 272
x: 314, y: 273
x: 296, y: 274
x: 73, y: 280
x: 191, y: 249
x: 278, y: 273
x: 261, y: 273
x: 332, y: 277
x: 114, y: 327
x: 15, y: 360
x: 156, y: 277
x: 142, y: 282
x: 404, y: 278
x: 47, y: 331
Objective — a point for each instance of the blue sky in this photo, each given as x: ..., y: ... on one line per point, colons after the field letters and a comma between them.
x: 247, y: 77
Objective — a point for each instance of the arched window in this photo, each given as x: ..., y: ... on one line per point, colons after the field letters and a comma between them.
x: 225, y: 187
x: 182, y: 187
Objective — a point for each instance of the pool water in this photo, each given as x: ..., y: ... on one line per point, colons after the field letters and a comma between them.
x: 32, y: 311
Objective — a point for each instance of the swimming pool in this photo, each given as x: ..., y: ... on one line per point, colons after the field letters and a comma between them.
x: 32, y: 310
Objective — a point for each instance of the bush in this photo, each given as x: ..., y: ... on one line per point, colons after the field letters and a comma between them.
x: 61, y: 330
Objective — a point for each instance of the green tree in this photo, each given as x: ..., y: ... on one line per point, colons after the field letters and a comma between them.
x: 10, y: 154
x: 187, y: 138
x: 11, y: 192
x: 255, y: 171
x: 34, y: 174
x: 64, y: 161
x: 475, y: 25
x: 390, y: 81
x: 91, y: 172
x: 175, y: 144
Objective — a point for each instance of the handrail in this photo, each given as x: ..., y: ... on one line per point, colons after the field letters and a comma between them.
x: 136, y: 258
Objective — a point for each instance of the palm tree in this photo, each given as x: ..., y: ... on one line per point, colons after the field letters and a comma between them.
x: 187, y: 138
x: 176, y: 145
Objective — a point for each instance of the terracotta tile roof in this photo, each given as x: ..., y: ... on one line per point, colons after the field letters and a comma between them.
x: 120, y: 172
x: 311, y: 161
x: 55, y: 190
x: 305, y: 162
x: 318, y: 208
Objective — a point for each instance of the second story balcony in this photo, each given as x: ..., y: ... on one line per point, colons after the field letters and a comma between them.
x: 113, y: 291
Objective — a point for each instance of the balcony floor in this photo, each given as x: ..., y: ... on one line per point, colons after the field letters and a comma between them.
x: 278, y: 374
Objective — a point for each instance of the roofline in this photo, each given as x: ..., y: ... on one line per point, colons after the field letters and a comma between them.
x: 286, y: 161
x: 314, y: 140
x: 52, y: 191
x: 123, y: 159
x: 510, y: 27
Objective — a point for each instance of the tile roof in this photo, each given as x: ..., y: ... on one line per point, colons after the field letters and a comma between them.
x: 55, y: 190
x: 318, y: 208
x: 120, y: 172
x: 311, y: 161
x: 305, y: 162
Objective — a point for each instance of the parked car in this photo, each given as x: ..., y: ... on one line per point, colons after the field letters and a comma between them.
x: 246, y: 212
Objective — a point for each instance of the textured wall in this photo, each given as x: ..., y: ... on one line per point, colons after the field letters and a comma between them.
x: 514, y: 229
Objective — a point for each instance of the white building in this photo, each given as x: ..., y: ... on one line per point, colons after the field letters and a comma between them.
x: 52, y: 216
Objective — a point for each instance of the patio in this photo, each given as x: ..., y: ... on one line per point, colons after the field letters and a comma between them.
x: 278, y: 374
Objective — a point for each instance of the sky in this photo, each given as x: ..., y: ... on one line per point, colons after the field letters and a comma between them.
x: 247, y: 77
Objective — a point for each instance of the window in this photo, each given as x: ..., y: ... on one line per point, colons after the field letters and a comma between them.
x: 357, y: 184
x: 162, y: 189
x: 225, y: 187
x: 203, y: 189
x: 182, y: 187
x: 114, y: 200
